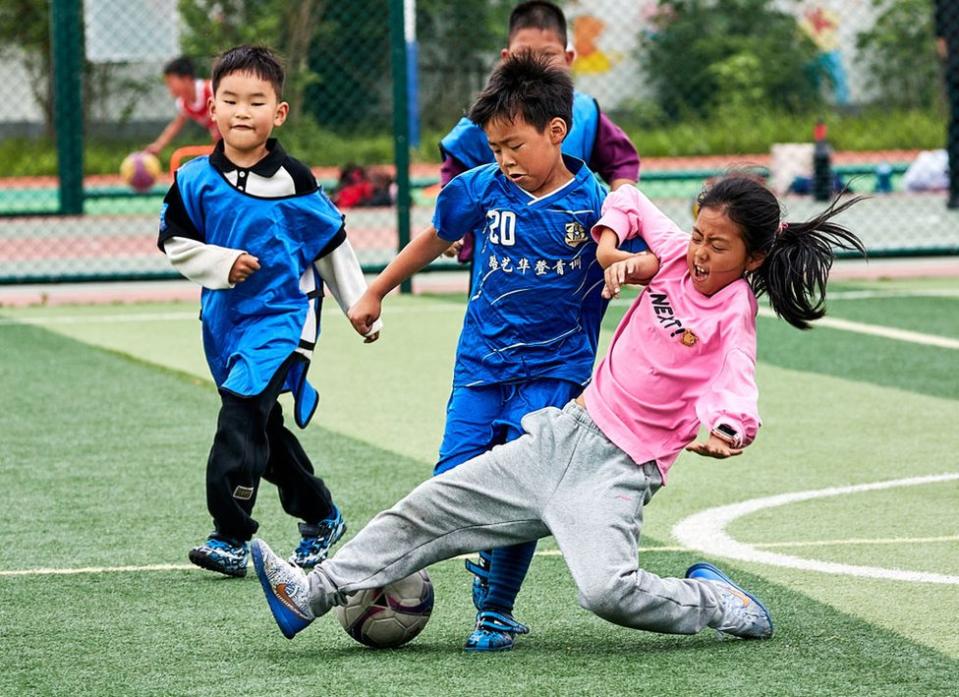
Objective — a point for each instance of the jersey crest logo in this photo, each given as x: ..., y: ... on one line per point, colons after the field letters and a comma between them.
x: 575, y: 234
x: 689, y: 339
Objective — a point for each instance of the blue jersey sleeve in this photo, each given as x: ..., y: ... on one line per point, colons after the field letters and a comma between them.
x: 457, y: 210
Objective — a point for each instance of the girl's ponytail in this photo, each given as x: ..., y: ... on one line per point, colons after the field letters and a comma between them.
x: 797, y: 264
x: 798, y: 256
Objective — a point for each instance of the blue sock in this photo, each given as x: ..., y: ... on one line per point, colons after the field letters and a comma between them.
x: 507, y: 572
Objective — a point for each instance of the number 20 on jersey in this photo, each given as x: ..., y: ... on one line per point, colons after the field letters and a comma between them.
x: 502, y: 227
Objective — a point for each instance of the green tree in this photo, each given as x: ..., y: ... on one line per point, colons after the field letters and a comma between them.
x: 213, y: 26
x: 25, y: 35
x: 899, y: 50
x: 705, y: 55
x: 459, y: 43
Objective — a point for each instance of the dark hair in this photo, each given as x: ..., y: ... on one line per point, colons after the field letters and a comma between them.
x: 528, y: 85
x: 256, y: 60
x: 538, y: 14
x: 181, y: 66
x: 798, y: 256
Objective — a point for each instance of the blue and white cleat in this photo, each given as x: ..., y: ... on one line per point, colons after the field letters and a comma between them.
x: 224, y: 556
x: 495, y: 631
x: 286, y: 588
x: 744, y: 616
x: 316, y: 540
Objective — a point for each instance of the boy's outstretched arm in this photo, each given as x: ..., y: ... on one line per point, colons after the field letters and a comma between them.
x: 168, y: 134
x: 423, y: 249
x: 341, y: 272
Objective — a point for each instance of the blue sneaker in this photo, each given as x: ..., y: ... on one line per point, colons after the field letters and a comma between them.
x: 744, y: 615
x: 225, y: 556
x: 495, y: 631
x: 317, y: 539
x: 286, y: 589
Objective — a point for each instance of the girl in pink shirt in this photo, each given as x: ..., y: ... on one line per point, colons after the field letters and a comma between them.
x: 683, y: 356
x: 685, y: 353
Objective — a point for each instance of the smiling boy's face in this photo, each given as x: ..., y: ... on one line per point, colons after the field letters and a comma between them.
x: 532, y: 159
x: 246, y: 110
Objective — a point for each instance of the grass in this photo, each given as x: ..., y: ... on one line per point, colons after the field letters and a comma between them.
x: 102, y: 459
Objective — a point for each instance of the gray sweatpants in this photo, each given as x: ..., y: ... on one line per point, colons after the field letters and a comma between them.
x: 562, y: 478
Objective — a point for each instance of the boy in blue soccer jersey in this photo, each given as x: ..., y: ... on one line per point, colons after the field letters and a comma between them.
x: 539, y: 26
x: 250, y: 225
x: 532, y: 323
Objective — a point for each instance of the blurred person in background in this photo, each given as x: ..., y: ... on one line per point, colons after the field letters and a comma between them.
x: 947, y: 40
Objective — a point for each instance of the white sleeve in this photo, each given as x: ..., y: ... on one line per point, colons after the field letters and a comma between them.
x: 340, y: 271
x: 204, y: 264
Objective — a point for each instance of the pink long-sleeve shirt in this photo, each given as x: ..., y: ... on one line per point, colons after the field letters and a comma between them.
x: 679, y: 358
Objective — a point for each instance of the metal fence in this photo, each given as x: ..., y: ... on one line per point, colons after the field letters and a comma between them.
x: 699, y: 86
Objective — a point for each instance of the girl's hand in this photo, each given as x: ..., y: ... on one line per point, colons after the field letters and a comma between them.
x: 244, y: 266
x: 364, y: 313
x: 714, y: 447
x: 636, y: 269
x: 454, y: 249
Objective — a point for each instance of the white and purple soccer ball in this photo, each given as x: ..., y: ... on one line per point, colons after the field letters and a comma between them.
x: 390, y: 616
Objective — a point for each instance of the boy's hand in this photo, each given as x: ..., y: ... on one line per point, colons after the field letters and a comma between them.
x: 714, y: 447
x: 631, y: 271
x: 364, y: 313
x: 244, y: 266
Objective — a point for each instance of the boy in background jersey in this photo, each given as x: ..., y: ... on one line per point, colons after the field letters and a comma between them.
x: 530, y: 333
x: 540, y: 27
x: 192, y: 97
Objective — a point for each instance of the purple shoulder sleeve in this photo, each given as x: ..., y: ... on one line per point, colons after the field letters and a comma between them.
x: 614, y: 155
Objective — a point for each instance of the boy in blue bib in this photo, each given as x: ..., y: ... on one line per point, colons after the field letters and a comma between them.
x: 250, y: 225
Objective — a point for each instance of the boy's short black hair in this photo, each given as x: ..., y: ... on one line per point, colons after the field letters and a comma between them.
x: 529, y: 85
x: 181, y: 66
x: 256, y: 60
x: 538, y: 14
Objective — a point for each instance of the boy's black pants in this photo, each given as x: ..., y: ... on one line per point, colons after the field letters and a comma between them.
x: 251, y: 442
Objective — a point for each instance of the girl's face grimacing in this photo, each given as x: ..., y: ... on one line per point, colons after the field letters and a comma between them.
x: 717, y: 253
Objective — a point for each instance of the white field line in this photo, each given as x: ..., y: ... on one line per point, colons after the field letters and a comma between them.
x: 456, y: 308
x: 542, y: 553
x: 873, y: 294
x: 879, y: 330
x: 706, y: 532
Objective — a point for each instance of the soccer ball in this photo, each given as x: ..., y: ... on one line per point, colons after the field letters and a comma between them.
x: 390, y: 616
x: 140, y: 170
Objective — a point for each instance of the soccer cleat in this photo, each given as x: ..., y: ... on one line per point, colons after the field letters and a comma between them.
x: 317, y: 540
x: 744, y: 615
x: 495, y: 631
x: 286, y: 588
x: 225, y: 556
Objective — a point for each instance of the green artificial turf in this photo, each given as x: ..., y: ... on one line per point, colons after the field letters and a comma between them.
x: 102, y: 458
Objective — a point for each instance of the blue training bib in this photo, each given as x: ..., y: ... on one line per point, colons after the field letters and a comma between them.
x: 251, y: 329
